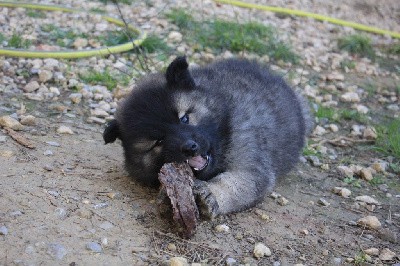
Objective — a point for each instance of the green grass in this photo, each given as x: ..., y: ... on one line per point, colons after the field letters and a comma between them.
x: 394, y: 49
x: 98, y: 10
x: 389, y: 138
x: 357, y: 45
x: 100, y: 78
x: 2, y: 38
x: 16, y: 41
x: 370, y: 89
x: 61, y: 37
x: 326, y: 112
x: 36, y: 13
x: 377, y: 180
x: 347, y: 63
x: 223, y: 35
x: 153, y: 43
x: 352, y: 181
x: 113, y: 38
x: 353, y: 115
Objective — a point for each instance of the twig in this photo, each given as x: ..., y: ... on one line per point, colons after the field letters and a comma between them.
x: 19, y: 138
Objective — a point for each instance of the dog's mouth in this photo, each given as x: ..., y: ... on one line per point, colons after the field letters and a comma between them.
x: 199, y: 162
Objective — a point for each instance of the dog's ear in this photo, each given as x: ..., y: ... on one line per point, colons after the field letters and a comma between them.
x: 111, y: 132
x: 178, y: 74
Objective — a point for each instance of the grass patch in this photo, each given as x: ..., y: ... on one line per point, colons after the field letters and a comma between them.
x: 357, y: 44
x: 353, y: 115
x: 377, y: 180
x: 36, y: 13
x: 16, y: 41
x: 61, y: 37
x: 389, y: 138
x: 346, y: 63
x: 236, y: 37
x: 2, y: 38
x: 113, y: 38
x: 326, y: 112
x: 352, y: 181
x: 370, y: 88
x: 153, y: 43
x: 100, y: 78
x: 394, y: 49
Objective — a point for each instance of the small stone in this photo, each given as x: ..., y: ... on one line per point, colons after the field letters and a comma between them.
x: 345, y: 171
x: 323, y: 202
x: 260, y: 250
x: 370, y: 133
x: 56, y: 250
x: 222, y: 228
x: 104, y: 241
x: 325, y: 252
x: 369, y: 221
x: 282, y: 201
x: 3, y: 138
x: 393, y: 107
x: 380, y: 167
x: 48, y: 153
x: 95, y: 247
x: 99, y: 113
x: 171, y: 247
x: 175, y: 37
x: 372, y: 251
x: 65, y: 130
x: 333, y: 128
x: 314, y: 160
x: 53, y: 143
x: 45, y: 75
x: 262, y: 214
x: 304, y: 232
x: 275, y: 195
x: 8, y: 121
x: 75, y: 97
x: 61, y: 213
x: 387, y: 234
x: 106, y: 225
x: 319, y: 131
x: 366, y: 174
x: 362, y: 109
x: 350, y: 97
x: 83, y: 213
x: 230, y: 262
x: 96, y: 120
x: 54, y: 90
x: 335, y: 76
x: 367, y: 199
x: 325, y: 166
x: 344, y: 192
x: 79, y: 43
x: 48, y: 167
x: 386, y: 254
x: 31, y: 86
x: 178, y: 261
x: 3, y: 230
x: 337, y: 261
x: 28, y: 120
x: 6, y: 153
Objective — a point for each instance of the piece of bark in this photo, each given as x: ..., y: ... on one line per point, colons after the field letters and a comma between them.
x: 18, y: 137
x: 177, y: 180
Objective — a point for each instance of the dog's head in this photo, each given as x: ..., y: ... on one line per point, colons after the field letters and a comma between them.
x: 167, y: 118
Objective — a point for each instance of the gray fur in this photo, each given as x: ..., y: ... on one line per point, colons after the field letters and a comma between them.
x: 250, y: 121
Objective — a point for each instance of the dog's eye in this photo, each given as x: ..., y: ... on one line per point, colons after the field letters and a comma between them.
x: 159, y: 142
x: 185, y: 119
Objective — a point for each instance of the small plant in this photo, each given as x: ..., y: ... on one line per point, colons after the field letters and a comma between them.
x: 35, y: 13
x: 100, y: 78
x: 118, y: 37
x: 353, y: 115
x: 357, y: 44
x: 377, y: 180
x: 153, y: 43
x: 395, y: 167
x: 326, y: 112
x: 394, y: 49
x: 180, y: 18
x: 370, y: 88
x: 389, y: 138
x: 2, y: 38
x: 307, y: 151
x: 346, y: 63
x: 360, y: 259
x: 352, y: 181
x: 16, y: 41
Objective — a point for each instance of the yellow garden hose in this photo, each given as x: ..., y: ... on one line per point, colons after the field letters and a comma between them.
x: 71, y: 53
x: 341, y: 22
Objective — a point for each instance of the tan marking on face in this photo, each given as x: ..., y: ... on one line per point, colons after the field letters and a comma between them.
x: 143, y: 144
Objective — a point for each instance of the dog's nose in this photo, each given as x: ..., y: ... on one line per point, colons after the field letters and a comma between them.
x: 190, y: 148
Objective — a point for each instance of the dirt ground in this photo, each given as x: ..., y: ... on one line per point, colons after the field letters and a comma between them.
x: 69, y: 201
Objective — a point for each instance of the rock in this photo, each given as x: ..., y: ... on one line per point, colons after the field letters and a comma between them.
x: 93, y: 119
x: 314, y: 160
x: 175, y: 37
x: 79, y: 43
x: 8, y: 121
x: 222, y: 228
x: 106, y: 225
x: 6, y: 153
x: 319, y: 131
x: 178, y: 261
x: 48, y: 167
x: 262, y: 214
x: 260, y: 250
x: 31, y: 86
x: 386, y: 254
x: 95, y: 247
x: 28, y: 120
x: 370, y: 133
x: 53, y: 143
x: 55, y: 91
x: 333, y: 128
x: 98, y: 113
x: 350, y: 97
x: 3, y: 230
x: 362, y: 109
x: 45, y: 75
x: 171, y: 247
x: 372, y: 251
x: 85, y: 214
x: 47, y: 153
x: 56, y: 250
x: 75, y: 97
x: 64, y: 130
x: 344, y: 192
x: 370, y: 222
x: 393, y: 107
x: 282, y: 201
x: 366, y: 174
x: 335, y: 76
x: 323, y: 202
x: 387, y: 235
x: 356, y: 130
x: 304, y: 232
x: 230, y: 262
x: 367, y: 199
x: 380, y: 167
x: 275, y: 195
x: 3, y: 138
x: 345, y: 171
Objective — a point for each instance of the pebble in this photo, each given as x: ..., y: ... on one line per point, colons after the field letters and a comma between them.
x: 386, y: 254
x: 8, y: 121
x: 372, y: 251
x: 261, y: 250
x: 56, y: 250
x: 282, y: 201
x: 319, y: 131
x: 341, y: 191
x: 171, y: 247
x: 370, y: 222
x: 350, y: 97
x: 275, y: 195
x: 230, y: 262
x: 3, y: 230
x: 106, y: 225
x: 175, y: 37
x: 75, y: 97
x: 28, y: 120
x: 178, y: 261
x: 345, y: 171
x: 61, y: 213
x: 366, y: 174
x: 48, y: 167
x: 45, y: 75
x: 262, y: 214
x: 94, y: 246
x: 83, y: 213
x: 96, y: 120
x: 3, y: 138
x: 380, y: 167
x: 222, y: 228
x: 79, y: 43
x: 370, y: 133
x: 367, y: 199
x: 65, y: 130
x: 323, y: 202
x: 98, y: 113
x: 362, y: 109
x: 53, y: 143
x: 333, y: 127
x: 47, y: 153
x: 335, y: 76
x: 314, y: 160
x: 31, y: 86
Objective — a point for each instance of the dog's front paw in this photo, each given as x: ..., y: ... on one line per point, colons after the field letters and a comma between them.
x: 205, y: 200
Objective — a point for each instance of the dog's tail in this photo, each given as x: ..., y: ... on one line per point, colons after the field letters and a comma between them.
x: 111, y: 132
